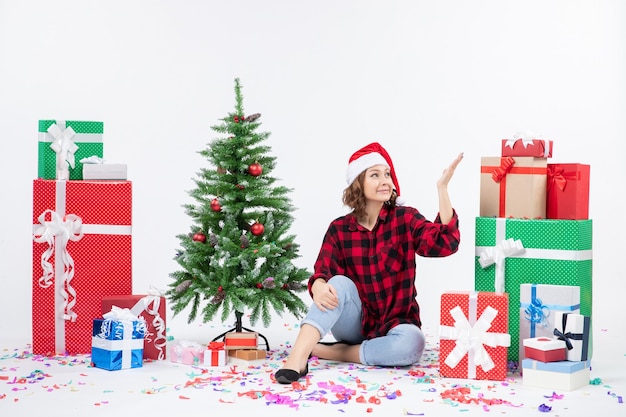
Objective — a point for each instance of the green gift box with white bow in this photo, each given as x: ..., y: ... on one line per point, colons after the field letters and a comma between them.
x: 62, y: 144
x: 511, y: 251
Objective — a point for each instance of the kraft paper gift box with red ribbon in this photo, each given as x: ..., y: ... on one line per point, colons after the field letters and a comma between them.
x: 473, y: 335
x: 513, y: 187
x: 117, y: 340
x: 556, y: 376
x: 511, y: 252
x: 248, y: 354
x: 82, y: 251
x: 150, y: 307
x: 187, y: 352
x: 539, y: 304
x: 575, y: 331
x: 525, y: 146
x: 568, y: 191
x: 545, y: 349
x: 241, y: 340
x: 215, y: 354
x: 64, y: 143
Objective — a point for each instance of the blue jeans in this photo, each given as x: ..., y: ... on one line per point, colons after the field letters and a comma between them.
x: 403, y: 345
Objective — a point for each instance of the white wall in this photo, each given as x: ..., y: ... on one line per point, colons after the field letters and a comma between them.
x: 427, y: 79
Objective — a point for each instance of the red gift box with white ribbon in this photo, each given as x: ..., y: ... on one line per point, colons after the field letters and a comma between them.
x: 150, y: 307
x: 525, y: 146
x: 82, y: 251
x: 473, y: 335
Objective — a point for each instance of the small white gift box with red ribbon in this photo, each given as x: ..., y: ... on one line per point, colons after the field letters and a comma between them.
x: 215, y: 354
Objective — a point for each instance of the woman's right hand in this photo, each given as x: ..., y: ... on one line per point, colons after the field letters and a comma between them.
x: 324, y: 295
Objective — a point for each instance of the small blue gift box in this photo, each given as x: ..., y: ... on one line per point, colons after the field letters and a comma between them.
x: 117, y: 344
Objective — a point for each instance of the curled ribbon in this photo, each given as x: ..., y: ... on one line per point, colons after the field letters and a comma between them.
x: 500, y: 172
x: 497, y: 256
x: 63, y: 146
x: 56, y: 233
x: 470, y: 339
x: 151, y: 304
x: 537, y: 312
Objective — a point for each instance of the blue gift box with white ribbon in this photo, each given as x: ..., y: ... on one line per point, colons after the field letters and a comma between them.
x: 117, y: 343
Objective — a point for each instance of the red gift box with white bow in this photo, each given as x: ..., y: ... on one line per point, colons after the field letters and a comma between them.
x: 82, y: 251
x: 150, y: 307
x: 473, y: 335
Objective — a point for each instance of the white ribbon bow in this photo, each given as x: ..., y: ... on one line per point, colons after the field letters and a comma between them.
x: 470, y: 339
x: 63, y: 146
x: 121, y: 314
x: 154, y: 300
x: 56, y: 233
x: 497, y: 255
x: 525, y: 137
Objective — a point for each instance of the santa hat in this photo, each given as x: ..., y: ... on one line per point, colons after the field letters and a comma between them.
x: 367, y: 157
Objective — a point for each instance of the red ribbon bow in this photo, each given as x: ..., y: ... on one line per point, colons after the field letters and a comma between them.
x: 556, y: 175
x: 216, y: 346
x: 505, y: 166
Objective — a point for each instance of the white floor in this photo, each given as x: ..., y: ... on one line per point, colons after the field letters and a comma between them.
x: 68, y: 386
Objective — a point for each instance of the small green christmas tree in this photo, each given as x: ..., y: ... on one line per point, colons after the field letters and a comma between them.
x: 238, y: 255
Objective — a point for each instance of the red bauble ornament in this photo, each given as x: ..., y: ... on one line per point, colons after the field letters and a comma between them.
x: 255, y: 169
x: 257, y: 229
x: 199, y: 237
x: 215, y: 205
x: 259, y: 285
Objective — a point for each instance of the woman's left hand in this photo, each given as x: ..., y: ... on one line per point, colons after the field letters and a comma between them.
x: 449, y: 171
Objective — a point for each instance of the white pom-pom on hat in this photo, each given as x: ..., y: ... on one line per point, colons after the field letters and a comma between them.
x: 367, y: 157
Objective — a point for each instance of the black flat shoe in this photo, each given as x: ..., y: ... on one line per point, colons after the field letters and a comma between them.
x: 330, y: 343
x: 287, y: 376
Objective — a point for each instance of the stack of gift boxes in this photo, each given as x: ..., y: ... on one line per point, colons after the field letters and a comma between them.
x: 82, y: 300
x: 82, y: 254
x: 235, y: 344
x: 533, y: 262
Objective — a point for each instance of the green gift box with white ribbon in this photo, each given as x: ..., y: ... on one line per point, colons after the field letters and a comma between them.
x: 63, y: 144
x: 512, y: 251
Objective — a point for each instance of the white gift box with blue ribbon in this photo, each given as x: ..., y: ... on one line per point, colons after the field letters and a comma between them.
x: 539, y: 305
x: 562, y: 375
x: 118, y: 340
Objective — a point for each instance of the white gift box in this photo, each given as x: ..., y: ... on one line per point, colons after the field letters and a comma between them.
x: 575, y: 330
x: 215, y: 357
x: 539, y: 304
x: 563, y: 375
x: 104, y: 171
